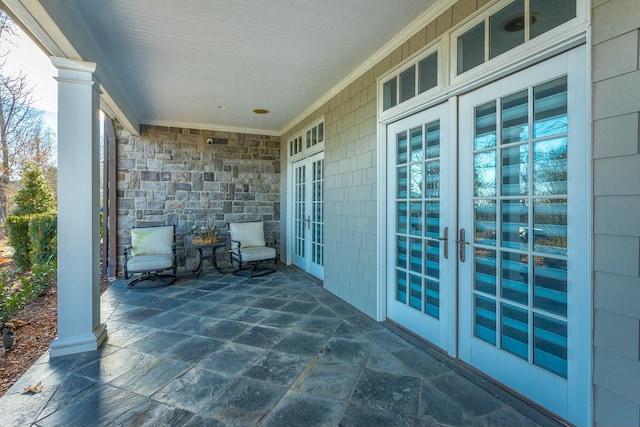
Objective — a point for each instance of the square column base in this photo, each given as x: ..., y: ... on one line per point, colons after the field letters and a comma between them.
x: 79, y: 344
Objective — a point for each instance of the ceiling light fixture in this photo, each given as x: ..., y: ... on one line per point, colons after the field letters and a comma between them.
x: 261, y: 111
x: 222, y: 107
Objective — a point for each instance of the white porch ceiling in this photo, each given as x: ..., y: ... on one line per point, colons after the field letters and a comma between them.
x: 176, y: 62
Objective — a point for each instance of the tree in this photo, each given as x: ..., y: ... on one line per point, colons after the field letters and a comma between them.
x: 35, y: 196
x: 23, y: 135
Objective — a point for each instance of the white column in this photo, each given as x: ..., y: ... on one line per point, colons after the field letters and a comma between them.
x: 79, y: 327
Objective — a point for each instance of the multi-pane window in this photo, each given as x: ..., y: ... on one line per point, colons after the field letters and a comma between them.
x: 511, y: 26
x: 419, y: 77
x: 310, y: 137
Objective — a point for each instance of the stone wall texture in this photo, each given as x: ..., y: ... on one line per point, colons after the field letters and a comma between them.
x: 173, y: 176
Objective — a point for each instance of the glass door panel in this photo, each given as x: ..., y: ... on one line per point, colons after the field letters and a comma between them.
x: 417, y: 226
x: 308, y: 215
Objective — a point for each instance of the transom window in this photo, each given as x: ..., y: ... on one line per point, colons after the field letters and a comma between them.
x: 308, y: 138
x: 419, y: 77
x: 509, y: 27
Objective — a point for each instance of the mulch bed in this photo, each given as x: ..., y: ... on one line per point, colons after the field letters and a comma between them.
x: 36, y: 326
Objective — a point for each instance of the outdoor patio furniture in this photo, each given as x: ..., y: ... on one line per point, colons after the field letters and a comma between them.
x: 152, y: 252
x: 249, y: 248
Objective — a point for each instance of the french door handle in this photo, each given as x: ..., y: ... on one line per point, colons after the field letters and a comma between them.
x: 308, y: 221
x: 461, y: 242
x: 445, y: 238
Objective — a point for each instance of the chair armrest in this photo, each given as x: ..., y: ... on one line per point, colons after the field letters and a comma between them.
x: 126, y: 252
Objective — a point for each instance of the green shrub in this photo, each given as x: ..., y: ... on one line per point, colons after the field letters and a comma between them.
x: 43, y: 238
x: 29, y: 288
x: 18, y: 229
x: 35, y: 196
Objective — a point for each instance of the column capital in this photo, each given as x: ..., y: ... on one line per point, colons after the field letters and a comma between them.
x: 73, y: 65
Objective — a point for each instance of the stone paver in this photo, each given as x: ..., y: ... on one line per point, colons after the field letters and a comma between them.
x: 219, y: 350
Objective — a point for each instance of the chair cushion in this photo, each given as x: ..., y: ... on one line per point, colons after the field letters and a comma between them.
x: 248, y: 233
x: 146, y: 263
x: 152, y: 240
x: 256, y: 253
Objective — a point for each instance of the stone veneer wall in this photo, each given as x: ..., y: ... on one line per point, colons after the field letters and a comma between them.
x: 171, y: 176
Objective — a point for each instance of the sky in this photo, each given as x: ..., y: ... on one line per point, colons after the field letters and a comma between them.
x: 26, y: 56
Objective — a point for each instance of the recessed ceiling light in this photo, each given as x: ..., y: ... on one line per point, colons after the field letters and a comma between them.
x: 222, y: 107
x: 261, y: 111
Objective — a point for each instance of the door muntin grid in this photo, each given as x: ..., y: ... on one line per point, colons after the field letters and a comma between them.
x: 520, y: 151
x: 317, y: 212
x: 299, y: 231
x: 417, y: 201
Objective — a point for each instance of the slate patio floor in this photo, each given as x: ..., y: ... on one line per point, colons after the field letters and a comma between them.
x: 221, y: 350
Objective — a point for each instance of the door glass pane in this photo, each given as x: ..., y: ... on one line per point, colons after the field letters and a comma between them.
x: 550, y: 344
x: 550, y: 108
x: 484, y: 174
x: 549, y: 14
x: 401, y: 217
x: 416, y: 180
x: 550, y: 167
x: 515, y: 330
x: 550, y: 285
x: 550, y: 226
x: 428, y: 73
x: 515, y: 117
x: 401, y: 148
x: 506, y: 29
x: 433, y: 140
x: 432, y: 261
x: 415, y: 258
x: 471, y: 48
x: 485, y: 126
x: 389, y: 94
x: 432, y: 306
x: 416, y: 219
x: 415, y: 300
x: 433, y: 219
x: 515, y: 170
x: 432, y: 183
x: 485, y: 222
x: 485, y: 319
x: 401, y: 252
x: 416, y: 144
x: 515, y: 224
x: 401, y: 286
x: 402, y: 182
x: 515, y: 277
x: 485, y: 271
x: 408, y: 84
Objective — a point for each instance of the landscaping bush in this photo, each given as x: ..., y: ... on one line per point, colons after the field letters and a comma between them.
x: 43, y: 238
x: 14, y: 297
x: 18, y: 233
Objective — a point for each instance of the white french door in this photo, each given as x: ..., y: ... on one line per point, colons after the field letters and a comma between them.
x: 510, y: 182
x: 420, y: 282
x: 524, y: 284
x: 308, y: 215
